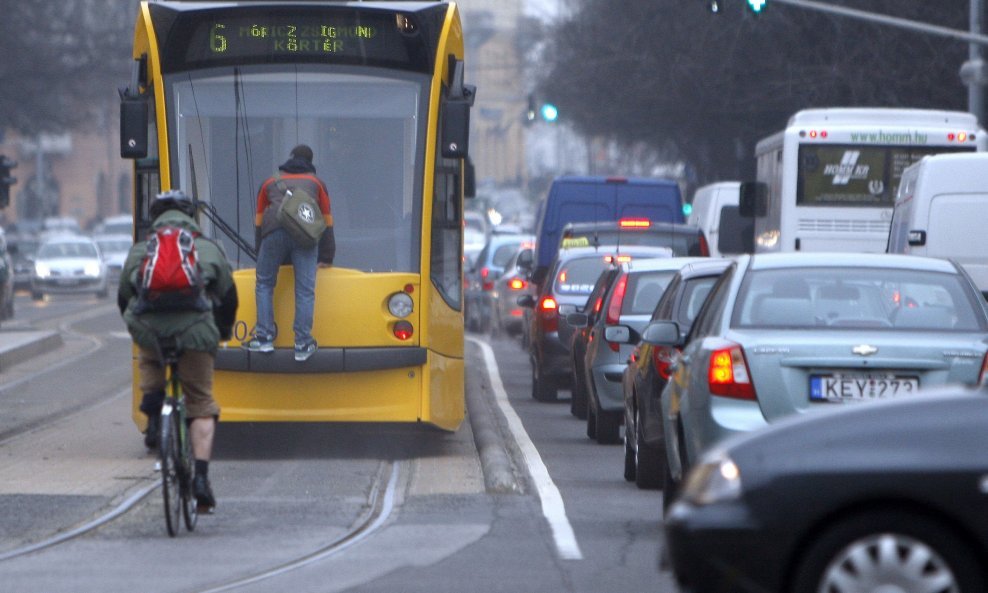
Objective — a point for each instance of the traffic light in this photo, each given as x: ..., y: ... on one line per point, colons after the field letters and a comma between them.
x: 549, y: 112
x: 756, y: 6
x: 6, y: 180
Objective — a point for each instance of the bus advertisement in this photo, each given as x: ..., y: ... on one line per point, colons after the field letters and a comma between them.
x: 828, y: 180
x: 221, y: 92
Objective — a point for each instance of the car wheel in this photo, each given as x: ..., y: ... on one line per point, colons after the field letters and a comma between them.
x: 608, y: 431
x: 670, y: 485
x: 879, y: 550
x: 649, y: 461
x: 630, y: 467
x: 578, y: 397
x: 591, y: 422
x: 543, y: 388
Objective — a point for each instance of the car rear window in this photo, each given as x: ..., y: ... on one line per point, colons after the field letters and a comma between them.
x: 578, y: 276
x: 858, y: 298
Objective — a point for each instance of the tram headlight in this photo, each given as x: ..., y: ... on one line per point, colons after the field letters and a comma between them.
x: 400, y: 304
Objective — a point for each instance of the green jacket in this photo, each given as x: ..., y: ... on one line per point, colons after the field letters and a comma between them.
x: 194, y: 330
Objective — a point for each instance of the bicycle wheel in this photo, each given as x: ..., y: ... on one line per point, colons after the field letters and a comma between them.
x: 170, y: 458
x: 190, y: 508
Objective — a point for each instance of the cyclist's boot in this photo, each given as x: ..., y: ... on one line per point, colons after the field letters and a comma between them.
x: 151, y: 404
x: 204, y: 494
x: 153, y: 432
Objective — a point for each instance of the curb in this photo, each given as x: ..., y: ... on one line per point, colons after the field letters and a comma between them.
x: 18, y: 346
x: 495, y: 460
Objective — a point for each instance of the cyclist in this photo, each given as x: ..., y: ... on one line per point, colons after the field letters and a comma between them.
x: 197, y: 334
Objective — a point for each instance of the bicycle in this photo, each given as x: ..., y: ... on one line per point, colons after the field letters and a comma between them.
x: 175, y: 447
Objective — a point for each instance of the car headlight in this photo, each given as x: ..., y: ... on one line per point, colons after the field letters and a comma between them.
x: 91, y: 269
x: 717, y: 479
x: 42, y: 270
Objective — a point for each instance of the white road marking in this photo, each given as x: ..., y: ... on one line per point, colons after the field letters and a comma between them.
x: 552, y: 501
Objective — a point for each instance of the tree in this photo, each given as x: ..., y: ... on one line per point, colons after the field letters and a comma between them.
x: 705, y: 88
x: 62, y: 60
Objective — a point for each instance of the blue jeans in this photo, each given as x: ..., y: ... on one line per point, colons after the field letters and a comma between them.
x: 275, y: 248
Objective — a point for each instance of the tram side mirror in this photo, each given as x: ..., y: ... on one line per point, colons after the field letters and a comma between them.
x: 753, y: 200
x: 456, y: 113
x: 133, y: 127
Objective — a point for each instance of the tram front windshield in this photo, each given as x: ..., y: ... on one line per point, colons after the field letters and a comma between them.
x: 232, y: 127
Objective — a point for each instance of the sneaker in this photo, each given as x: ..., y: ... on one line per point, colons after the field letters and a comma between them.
x: 258, y: 345
x: 304, y: 351
x: 204, y: 494
x: 153, y: 432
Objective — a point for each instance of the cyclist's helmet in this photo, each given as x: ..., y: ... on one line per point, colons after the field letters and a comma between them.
x: 173, y: 199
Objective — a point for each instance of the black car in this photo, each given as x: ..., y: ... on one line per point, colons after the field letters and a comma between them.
x: 887, y: 496
x: 682, y: 239
x: 567, y: 287
x: 646, y: 374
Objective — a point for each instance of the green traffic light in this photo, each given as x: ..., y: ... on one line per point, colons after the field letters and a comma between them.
x: 687, y: 209
x: 549, y: 112
x: 757, y: 5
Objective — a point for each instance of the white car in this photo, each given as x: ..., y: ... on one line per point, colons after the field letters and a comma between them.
x: 114, y: 249
x: 68, y: 264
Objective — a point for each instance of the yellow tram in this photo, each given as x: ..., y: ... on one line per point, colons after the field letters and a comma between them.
x: 221, y: 91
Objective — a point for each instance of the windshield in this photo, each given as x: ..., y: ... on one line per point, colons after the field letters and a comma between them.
x: 858, y: 298
x: 233, y: 127
x: 59, y: 250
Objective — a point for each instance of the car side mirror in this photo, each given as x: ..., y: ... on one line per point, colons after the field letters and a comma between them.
x: 662, y: 333
x: 577, y: 319
x: 527, y: 301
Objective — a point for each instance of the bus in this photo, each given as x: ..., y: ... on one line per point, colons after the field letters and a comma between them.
x: 219, y: 94
x: 828, y: 181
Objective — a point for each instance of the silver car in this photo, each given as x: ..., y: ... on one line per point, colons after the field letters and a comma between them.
x: 68, y: 264
x: 627, y: 308
x: 791, y: 333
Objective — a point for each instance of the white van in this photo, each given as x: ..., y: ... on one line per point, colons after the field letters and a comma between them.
x: 715, y: 211
x: 941, y: 210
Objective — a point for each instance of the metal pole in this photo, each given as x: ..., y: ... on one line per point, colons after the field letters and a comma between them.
x: 975, y: 88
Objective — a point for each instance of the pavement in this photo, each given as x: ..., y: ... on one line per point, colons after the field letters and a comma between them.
x: 486, y: 423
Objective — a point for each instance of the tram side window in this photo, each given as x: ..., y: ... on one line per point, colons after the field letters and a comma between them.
x: 447, y: 232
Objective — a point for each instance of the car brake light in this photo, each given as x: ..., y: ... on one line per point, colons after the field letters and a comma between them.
x: 516, y: 284
x: 728, y: 374
x: 704, y: 247
x: 634, y: 223
x: 547, y: 314
x: 617, y: 259
x: 614, y: 308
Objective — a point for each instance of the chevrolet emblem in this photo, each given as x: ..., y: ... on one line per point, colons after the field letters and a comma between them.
x: 864, y: 350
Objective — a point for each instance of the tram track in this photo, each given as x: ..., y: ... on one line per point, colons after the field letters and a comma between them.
x: 380, y: 505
